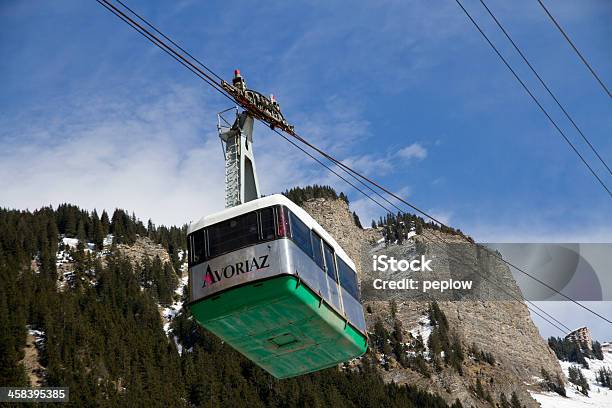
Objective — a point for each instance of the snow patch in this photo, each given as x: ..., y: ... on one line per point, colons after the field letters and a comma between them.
x: 170, y: 312
x: 108, y: 240
x: 62, y: 257
x: 39, y: 337
x: 424, y: 328
x: 70, y: 242
x: 182, y: 283
x: 599, y: 397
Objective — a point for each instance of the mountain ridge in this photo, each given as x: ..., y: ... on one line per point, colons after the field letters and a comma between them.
x: 473, y: 321
x: 398, y: 368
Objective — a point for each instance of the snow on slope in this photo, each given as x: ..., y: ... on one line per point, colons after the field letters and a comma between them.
x: 424, y: 329
x: 39, y: 336
x: 599, y: 397
x: 170, y: 312
x: 108, y: 240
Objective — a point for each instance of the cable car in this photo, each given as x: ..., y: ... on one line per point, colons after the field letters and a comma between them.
x: 267, y: 279
x: 264, y: 276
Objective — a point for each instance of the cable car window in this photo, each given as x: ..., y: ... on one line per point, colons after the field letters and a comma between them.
x: 317, y: 250
x: 232, y: 234
x: 282, y: 222
x: 300, y: 234
x: 348, y: 278
x: 329, y: 261
x: 267, y: 223
x: 197, y: 246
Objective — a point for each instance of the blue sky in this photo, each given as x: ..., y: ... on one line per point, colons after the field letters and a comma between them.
x: 406, y: 91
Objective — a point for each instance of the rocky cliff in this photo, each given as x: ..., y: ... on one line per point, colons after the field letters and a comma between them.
x: 494, y: 323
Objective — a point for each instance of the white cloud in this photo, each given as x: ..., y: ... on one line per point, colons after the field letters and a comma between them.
x: 444, y: 216
x: 369, y: 164
x: 150, y: 159
x: 382, y: 164
x: 414, y: 151
x: 522, y: 232
x: 537, y: 227
x: 157, y: 155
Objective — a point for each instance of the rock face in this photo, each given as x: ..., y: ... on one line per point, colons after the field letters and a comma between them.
x: 496, y: 320
x: 336, y: 218
x: 31, y: 362
x: 144, y: 248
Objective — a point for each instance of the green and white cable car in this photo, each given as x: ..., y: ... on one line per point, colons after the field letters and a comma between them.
x: 267, y: 279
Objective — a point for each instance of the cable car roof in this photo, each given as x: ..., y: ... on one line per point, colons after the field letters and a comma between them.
x: 269, y: 201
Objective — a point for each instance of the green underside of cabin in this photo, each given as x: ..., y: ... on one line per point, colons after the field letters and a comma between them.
x: 280, y: 325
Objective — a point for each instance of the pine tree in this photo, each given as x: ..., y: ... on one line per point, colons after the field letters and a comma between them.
x: 393, y: 308
x: 356, y: 220
x: 559, y: 386
x: 388, y: 235
x: 435, y: 348
x: 597, y: 352
x: 106, y: 341
x: 552, y: 385
x: 81, y: 233
x: 399, y: 236
x: 514, y: 401
x: 169, y: 284
x: 456, y: 354
x: 568, y: 350
x: 577, y: 377
x: 11, y: 374
x: 503, y: 401
x: 380, y: 335
x: 70, y: 228
x: 105, y: 223
x: 480, y: 392
x: 604, y: 377
x: 98, y: 232
x: 119, y: 226
x: 457, y: 404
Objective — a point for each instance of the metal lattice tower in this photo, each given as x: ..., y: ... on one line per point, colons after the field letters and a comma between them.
x: 241, y: 184
x: 232, y: 172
